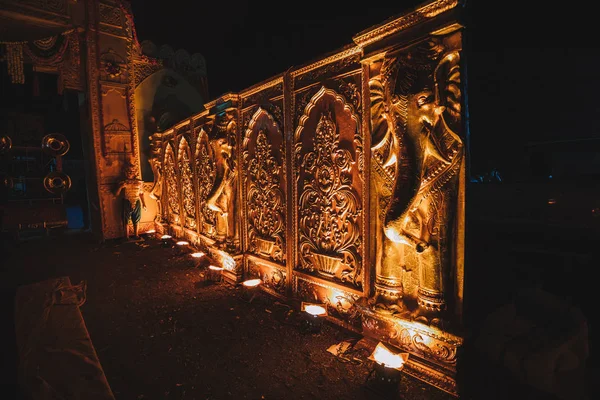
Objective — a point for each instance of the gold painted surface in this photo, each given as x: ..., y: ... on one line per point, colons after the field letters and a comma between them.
x: 172, y: 187
x: 188, y: 194
x: 222, y: 197
x: 205, y: 175
x: 263, y: 175
x: 417, y: 151
x: 329, y: 205
x: 348, y: 187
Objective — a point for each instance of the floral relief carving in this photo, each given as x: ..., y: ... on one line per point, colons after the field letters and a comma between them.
x: 172, y: 192
x: 187, y: 185
x: 265, y: 201
x: 329, y: 208
x: 206, y: 174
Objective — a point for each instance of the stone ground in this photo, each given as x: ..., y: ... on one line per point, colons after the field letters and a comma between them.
x: 162, y: 333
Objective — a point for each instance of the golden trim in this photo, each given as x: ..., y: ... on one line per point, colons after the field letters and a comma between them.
x: 260, y: 86
x: 325, y: 283
x: 425, y: 12
x: 328, y: 60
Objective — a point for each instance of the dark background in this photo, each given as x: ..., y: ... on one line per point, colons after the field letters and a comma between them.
x: 532, y: 69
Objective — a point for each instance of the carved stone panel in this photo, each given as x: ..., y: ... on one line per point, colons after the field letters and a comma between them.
x: 172, y: 187
x: 328, y: 185
x: 417, y: 147
x: 223, y: 197
x: 264, y: 180
x: 188, y: 197
x: 273, y: 277
x: 341, y: 304
x: 205, y: 175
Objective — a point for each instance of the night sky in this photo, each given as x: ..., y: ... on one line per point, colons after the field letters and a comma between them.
x: 533, y: 71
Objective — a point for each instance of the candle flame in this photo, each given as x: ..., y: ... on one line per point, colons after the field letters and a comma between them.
x: 198, y: 254
x: 252, y: 282
x: 315, y: 310
x: 385, y: 357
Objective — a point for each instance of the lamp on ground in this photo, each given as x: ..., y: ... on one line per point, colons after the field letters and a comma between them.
x: 314, y: 315
x: 197, y: 257
x: 182, y: 246
x: 214, y: 273
x: 166, y: 240
x: 150, y: 232
x: 250, y: 288
x: 387, y: 371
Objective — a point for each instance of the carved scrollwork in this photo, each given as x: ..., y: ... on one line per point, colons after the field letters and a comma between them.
x: 329, y: 208
x: 265, y: 200
x: 206, y: 174
x: 351, y: 91
x: 424, y: 345
x: 187, y: 185
x: 171, y: 180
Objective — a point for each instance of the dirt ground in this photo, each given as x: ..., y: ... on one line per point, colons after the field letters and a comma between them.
x: 161, y: 332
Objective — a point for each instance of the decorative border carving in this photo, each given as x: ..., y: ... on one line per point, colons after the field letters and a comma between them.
x: 420, y: 15
x: 263, y: 200
x: 337, y: 64
x: 274, y: 276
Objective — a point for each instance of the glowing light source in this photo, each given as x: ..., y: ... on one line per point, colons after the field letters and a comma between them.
x: 183, y: 243
x: 315, y: 310
x: 214, y: 273
x: 151, y: 231
x: 386, y: 374
x: 252, y: 283
x: 384, y: 356
x: 197, y: 254
x: 551, y: 201
x: 165, y: 240
x: 250, y: 290
x: 314, y: 316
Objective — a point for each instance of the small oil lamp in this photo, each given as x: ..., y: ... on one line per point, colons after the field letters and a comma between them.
x: 196, y: 257
x: 387, y: 371
x: 314, y: 315
x: 250, y: 289
x: 166, y: 239
x: 214, y: 273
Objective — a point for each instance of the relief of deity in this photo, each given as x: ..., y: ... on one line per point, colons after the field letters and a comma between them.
x: 221, y: 198
x: 417, y: 155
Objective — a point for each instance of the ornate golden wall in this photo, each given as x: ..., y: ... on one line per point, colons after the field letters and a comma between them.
x: 341, y: 182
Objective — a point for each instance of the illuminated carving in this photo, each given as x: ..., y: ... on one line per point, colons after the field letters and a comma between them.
x: 264, y: 202
x: 113, y: 67
x: 329, y: 207
x: 206, y: 173
x: 221, y: 198
x: 172, y: 191
x: 415, y: 113
x: 187, y: 185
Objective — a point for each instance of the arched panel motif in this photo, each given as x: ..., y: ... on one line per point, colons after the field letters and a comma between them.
x: 264, y: 182
x: 188, y: 196
x: 172, y: 190
x: 205, y: 175
x: 328, y: 155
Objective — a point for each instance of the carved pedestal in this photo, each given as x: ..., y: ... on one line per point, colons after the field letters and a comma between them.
x: 433, y: 353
